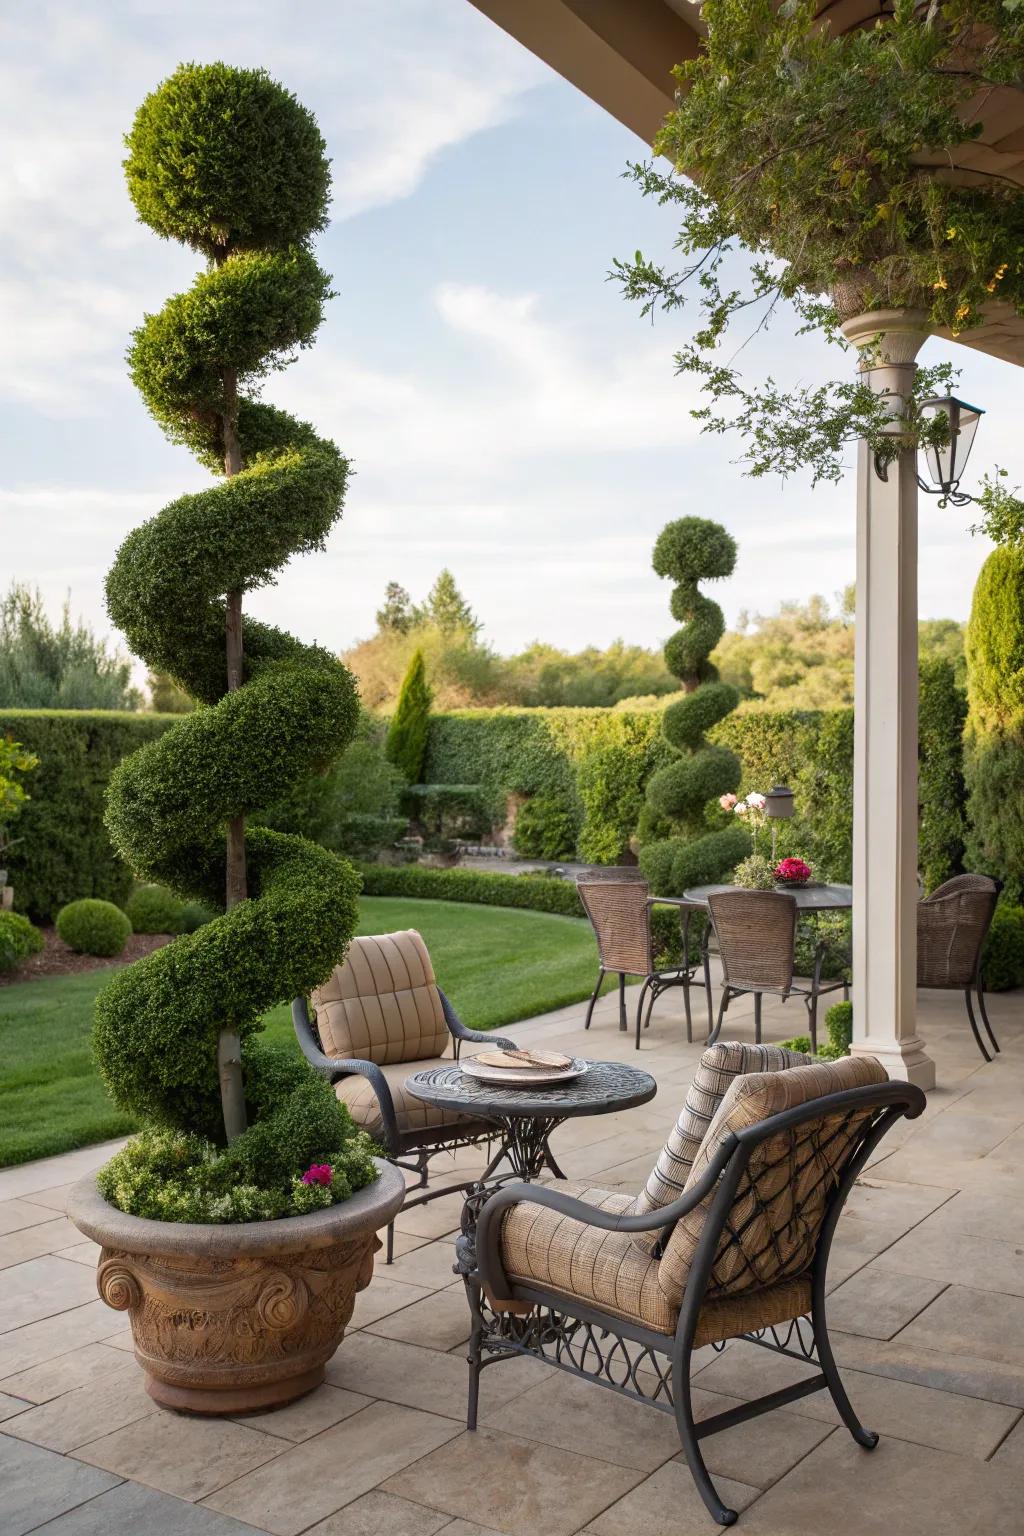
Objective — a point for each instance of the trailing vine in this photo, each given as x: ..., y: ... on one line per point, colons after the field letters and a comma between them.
x: 822, y: 156
x: 691, y: 550
x: 228, y: 162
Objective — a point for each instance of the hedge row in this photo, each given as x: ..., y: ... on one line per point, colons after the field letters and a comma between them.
x: 585, y: 771
x: 533, y: 892
x: 62, y: 850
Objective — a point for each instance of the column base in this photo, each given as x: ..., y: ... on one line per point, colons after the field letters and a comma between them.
x: 904, y: 1060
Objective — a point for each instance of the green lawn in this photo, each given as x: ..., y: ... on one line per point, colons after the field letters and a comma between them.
x: 497, y: 965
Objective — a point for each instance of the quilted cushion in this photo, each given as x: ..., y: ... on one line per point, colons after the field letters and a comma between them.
x: 780, y: 1204
x: 413, y: 1115
x: 719, y: 1066
x: 382, y: 1004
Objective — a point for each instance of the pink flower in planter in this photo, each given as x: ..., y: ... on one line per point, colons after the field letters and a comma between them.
x: 727, y: 802
x: 793, y: 870
x: 318, y: 1173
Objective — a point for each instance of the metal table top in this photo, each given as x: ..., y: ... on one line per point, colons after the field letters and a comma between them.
x: 606, y: 1087
x: 809, y: 898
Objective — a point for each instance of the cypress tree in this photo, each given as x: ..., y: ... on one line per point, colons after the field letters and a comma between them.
x: 406, y: 743
x: 994, y: 735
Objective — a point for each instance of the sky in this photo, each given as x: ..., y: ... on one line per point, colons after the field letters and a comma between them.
x: 508, y: 414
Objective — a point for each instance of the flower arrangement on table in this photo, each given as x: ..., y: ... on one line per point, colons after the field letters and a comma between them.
x: 752, y: 810
x: 792, y: 872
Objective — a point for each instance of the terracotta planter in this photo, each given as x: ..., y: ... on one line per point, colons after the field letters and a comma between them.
x: 232, y: 1319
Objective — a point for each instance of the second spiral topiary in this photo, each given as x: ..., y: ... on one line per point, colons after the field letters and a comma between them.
x: 681, y: 845
x: 228, y: 162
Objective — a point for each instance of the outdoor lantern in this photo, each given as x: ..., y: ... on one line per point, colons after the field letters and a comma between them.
x: 778, y: 806
x: 947, y: 462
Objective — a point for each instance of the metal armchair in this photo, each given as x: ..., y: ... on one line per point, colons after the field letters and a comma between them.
x: 743, y: 1252
x: 952, y: 925
x: 378, y: 1017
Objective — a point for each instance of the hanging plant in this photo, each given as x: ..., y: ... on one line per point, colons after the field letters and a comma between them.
x: 828, y: 160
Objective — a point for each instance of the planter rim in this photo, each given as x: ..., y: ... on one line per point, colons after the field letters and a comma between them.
x: 375, y: 1205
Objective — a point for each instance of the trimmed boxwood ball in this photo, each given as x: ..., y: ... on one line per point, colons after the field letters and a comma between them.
x: 91, y: 927
x: 229, y: 162
x: 18, y: 940
x: 154, y: 909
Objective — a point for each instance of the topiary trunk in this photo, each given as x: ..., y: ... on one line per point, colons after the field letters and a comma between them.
x: 690, y: 550
x: 228, y: 162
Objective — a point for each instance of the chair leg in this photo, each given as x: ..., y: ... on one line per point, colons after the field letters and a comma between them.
x: 757, y: 1018
x: 974, y: 1025
x: 984, y: 1014
x: 644, y: 990
x: 390, y: 1256
x: 812, y: 1012
x: 691, y: 1448
x: 686, y: 1006
x: 723, y: 1005
x: 707, y: 982
x: 827, y: 1360
x: 473, y: 1297
x: 593, y: 998
x: 622, y: 1002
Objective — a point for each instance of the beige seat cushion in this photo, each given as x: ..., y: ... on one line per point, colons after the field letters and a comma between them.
x: 719, y: 1066
x: 603, y: 1269
x: 780, y: 1204
x: 382, y: 1004
x: 541, y: 1247
x: 414, y: 1117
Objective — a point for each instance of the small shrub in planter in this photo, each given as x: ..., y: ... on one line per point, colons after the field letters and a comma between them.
x: 838, y: 1031
x: 91, y: 927
x: 18, y: 940
x: 754, y: 873
x: 155, y: 909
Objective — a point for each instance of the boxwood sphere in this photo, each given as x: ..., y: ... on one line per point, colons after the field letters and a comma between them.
x: 18, y: 940
x: 93, y: 927
x: 155, y: 909
x: 694, y: 548
x: 223, y: 158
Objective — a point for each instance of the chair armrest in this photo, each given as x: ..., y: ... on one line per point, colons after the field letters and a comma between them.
x: 334, y: 1068
x: 459, y: 1032
x: 490, y: 1265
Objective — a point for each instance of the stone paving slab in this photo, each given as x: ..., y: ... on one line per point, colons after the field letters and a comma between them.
x: 925, y: 1302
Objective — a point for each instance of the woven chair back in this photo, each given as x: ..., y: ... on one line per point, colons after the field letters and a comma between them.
x: 756, y: 937
x: 621, y: 920
x: 382, y: 1004
x: 952, y: 924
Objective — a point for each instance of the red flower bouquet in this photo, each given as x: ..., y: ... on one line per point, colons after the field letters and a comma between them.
x: 792, y: 872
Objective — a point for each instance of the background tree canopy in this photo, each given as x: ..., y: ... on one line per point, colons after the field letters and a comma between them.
x: 57, y: 666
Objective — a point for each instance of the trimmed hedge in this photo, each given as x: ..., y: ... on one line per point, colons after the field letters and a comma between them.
x: 64, y: 851
x: 533, y: 892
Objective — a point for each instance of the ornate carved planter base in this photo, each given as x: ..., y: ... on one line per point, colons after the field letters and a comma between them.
x: 240, y: 1318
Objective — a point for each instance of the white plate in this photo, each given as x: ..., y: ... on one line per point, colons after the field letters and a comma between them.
x: 519, y: 1077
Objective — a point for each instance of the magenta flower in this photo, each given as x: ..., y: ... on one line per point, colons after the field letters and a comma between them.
x: 318, y: 1173
x: 794, y: 870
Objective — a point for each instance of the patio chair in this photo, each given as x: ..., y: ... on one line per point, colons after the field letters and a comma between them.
x: 756, y: 933
x: 378, y: 1017
x: 952, y: 925
x: 584, y: 1280
x: 620, y: 915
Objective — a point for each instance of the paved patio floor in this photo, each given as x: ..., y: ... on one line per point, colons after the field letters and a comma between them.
x: 927, y: 1312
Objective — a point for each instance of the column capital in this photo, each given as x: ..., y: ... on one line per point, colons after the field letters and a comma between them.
x: 888, y: 338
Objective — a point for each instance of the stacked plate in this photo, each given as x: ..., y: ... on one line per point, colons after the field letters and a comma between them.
x: 523, y: 1067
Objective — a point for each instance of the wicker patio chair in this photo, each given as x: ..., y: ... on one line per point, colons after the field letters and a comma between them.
x: 756, y: 933
x: 378, y: 1016
x: 620, y: 915
x: 584, y: 1280
x: 952, y: 925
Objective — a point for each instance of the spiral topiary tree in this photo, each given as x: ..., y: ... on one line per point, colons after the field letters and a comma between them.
x: 691, y: 550
x: 228, y: 162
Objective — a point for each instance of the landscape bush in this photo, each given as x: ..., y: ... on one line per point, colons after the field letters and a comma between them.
x: 546, y: 827
x: 1002, y: 961
x: 406, y: 742
x: 465, y: 811
x: 534, y: 893
x: 155, y: 909
x: 92, y: 927
x: 64, y: 850
x: 994, y: 735
x: 18, y: 939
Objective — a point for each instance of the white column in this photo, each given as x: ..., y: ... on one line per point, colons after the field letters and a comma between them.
x: 885, y: 712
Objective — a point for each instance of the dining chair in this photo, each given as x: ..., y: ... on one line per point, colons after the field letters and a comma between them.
x: 620, y: 915
x: 756, y: 932
x: 952, y: 926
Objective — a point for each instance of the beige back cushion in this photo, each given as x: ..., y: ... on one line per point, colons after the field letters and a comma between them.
x: 718, y: 1068
x: 772, y: 1230
x: 382, y: 1004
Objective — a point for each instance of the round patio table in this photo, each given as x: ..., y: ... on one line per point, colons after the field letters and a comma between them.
x: 809, y: 898
x: 526, y: 1116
